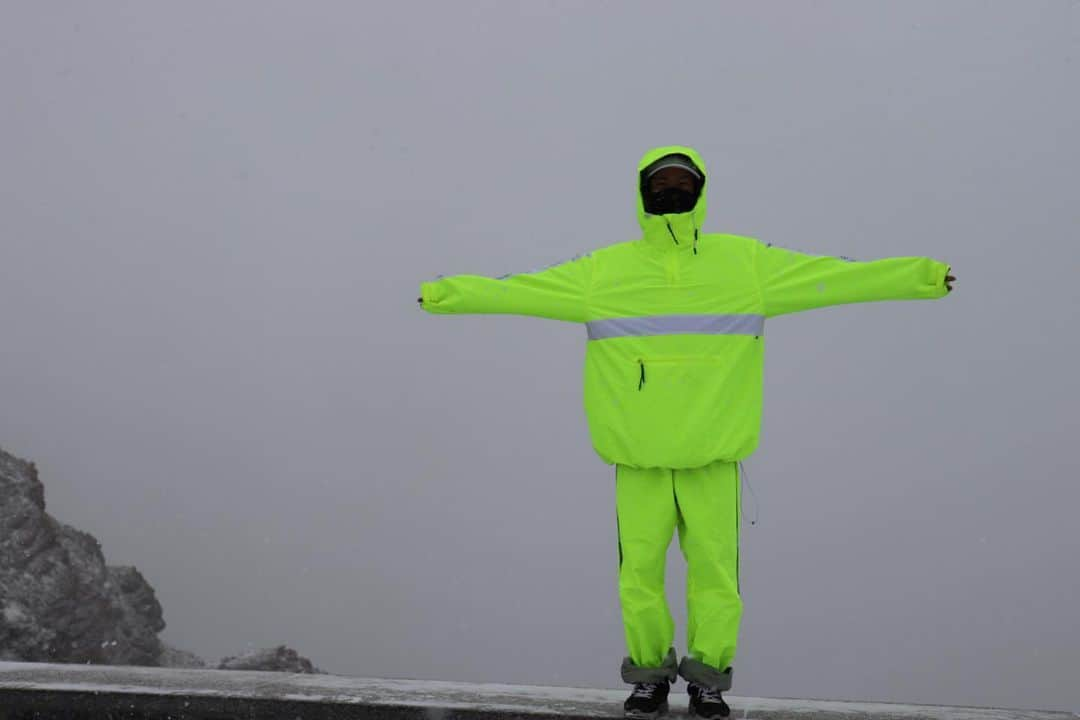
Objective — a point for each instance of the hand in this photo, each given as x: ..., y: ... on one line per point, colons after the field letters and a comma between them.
x: 421, y: 301
x: 948, y: 280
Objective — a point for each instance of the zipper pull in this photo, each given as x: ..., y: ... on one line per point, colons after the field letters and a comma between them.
x: 642, y: 380
x: 671, y: 231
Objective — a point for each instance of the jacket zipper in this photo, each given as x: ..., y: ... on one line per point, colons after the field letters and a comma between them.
x: 671, y: 268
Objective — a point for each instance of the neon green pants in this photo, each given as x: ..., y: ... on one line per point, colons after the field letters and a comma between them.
x: 703, y: 504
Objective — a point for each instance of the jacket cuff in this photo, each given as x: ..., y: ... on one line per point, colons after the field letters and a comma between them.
x: 940, y: 271
x: 429, y: 294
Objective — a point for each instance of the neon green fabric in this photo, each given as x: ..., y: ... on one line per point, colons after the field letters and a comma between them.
x: 680, y: 399
x: 703, y: 504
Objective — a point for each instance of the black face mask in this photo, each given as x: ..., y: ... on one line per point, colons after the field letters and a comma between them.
x: 669, y: 200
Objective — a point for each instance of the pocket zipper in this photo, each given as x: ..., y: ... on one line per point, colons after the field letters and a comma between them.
x: 671, y: 359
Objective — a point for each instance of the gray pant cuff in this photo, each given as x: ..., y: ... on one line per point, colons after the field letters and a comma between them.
x: 699, y: 673
x: 669, y: 670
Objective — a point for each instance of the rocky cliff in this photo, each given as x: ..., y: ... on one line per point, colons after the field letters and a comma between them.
x: 60, y: 602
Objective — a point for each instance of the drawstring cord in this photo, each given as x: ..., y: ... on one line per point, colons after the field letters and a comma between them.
x: 671, y: 231
x: 746, y: 478
x: 668, y: 222
x: 642, y: 380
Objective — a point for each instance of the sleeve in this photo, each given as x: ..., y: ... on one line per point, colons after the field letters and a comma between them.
x: 557, y: 292
x: 791, y: 281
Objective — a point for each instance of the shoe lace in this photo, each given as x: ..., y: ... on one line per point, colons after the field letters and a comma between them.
x: 706, y: 694
x: 644, y: 689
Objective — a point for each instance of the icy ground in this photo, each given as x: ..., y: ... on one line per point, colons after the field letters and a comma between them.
x: 441, y: 695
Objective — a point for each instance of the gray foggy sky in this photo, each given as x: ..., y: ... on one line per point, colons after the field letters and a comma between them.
x: 215, y: 217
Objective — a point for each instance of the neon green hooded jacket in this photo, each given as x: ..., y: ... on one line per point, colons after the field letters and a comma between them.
x: 675, y: 322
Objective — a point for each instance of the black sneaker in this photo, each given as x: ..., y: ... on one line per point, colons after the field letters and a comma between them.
x: 706, y: 703
x: 648, y: 700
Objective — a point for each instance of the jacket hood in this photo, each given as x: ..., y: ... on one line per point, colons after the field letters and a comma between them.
x: 672, y: 231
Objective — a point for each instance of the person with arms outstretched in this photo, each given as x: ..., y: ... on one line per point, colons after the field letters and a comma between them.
x: 675, y: 325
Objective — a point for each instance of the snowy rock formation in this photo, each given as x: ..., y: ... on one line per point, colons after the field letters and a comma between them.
x: 60, y: 602
x: 280, y: 658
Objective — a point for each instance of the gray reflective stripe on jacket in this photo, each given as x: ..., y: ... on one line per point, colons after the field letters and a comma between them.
x: 676, y: 325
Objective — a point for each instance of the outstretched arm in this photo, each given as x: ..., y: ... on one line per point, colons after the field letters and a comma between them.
x: 791, y: 281
x: 557, y: 292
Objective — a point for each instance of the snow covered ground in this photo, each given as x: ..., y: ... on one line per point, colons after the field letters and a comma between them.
x: 438, y: 697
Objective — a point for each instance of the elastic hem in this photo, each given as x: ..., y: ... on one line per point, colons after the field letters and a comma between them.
x: 669, y: 670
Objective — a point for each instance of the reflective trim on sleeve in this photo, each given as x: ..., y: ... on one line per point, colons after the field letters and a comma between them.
x: 579, y: 256
x: 676, y: 325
